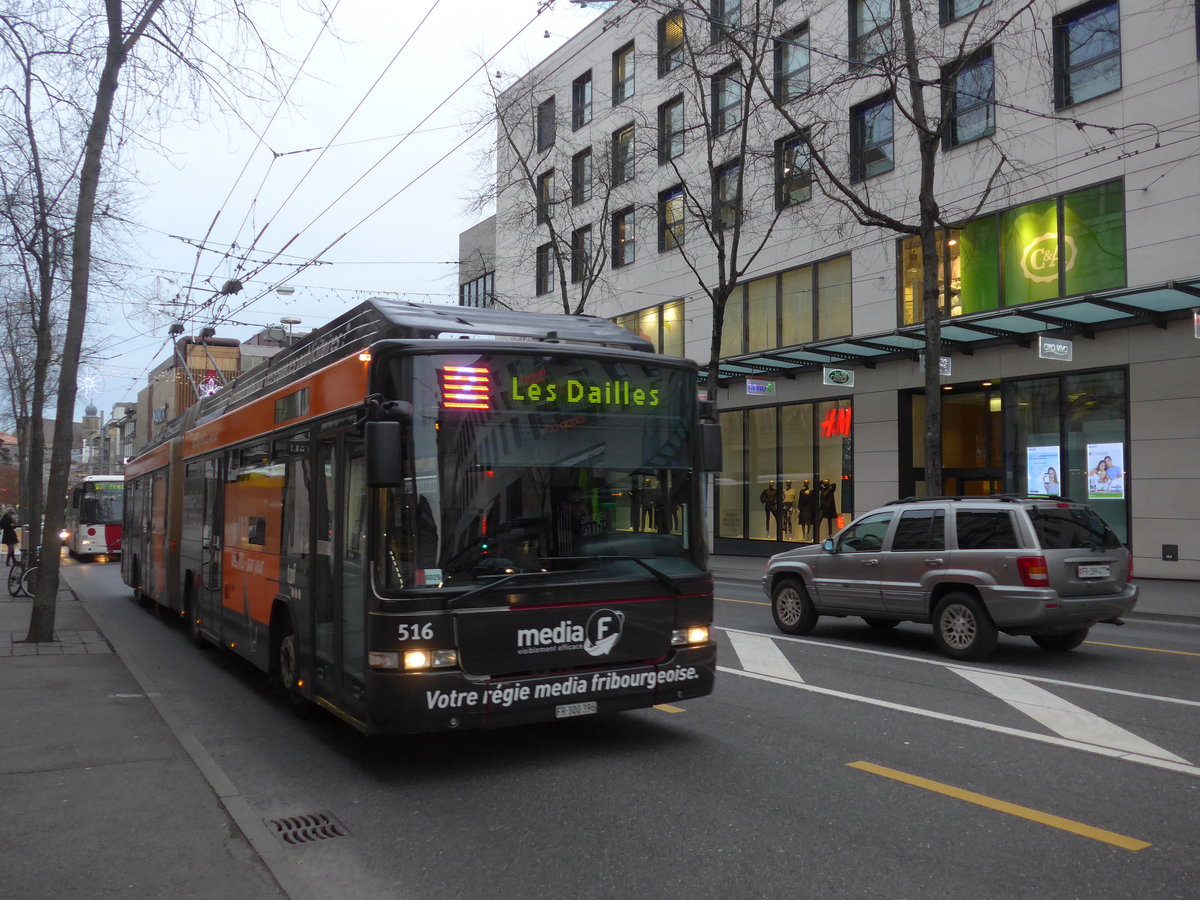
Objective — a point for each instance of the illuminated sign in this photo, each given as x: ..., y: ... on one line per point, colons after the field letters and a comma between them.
x: 1055, y: 348
x: 466, y: 387
x: 838, y: 377
x: 837, y: 422
x: 757, y: 386
x: 620, y: 394
x: 1039, y: 259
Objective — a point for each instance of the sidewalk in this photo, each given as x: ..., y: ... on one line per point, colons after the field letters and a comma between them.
x: 1158, y: 598
x: 100, y: 797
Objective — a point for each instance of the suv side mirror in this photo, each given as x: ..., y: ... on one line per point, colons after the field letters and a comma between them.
x: 828, y: 545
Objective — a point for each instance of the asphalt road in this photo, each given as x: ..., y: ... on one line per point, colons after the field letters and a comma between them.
x: 852, y: 762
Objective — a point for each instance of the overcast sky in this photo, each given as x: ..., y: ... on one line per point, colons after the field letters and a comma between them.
x: 400, y: 221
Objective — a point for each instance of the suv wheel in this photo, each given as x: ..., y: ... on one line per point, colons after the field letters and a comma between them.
x: 792, y: 609
x: 1068, y: 641
x: 962, y: 628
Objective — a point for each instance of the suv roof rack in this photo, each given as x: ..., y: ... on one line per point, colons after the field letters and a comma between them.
x: 1006, y: 498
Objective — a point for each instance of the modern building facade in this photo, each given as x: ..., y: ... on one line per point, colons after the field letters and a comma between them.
x: 668, y: 150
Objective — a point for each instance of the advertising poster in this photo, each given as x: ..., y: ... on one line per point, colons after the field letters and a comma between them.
x: 1106, y: 471
x: 1043, y: 470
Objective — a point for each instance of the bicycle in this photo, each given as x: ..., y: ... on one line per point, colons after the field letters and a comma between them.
x: 23, y: 575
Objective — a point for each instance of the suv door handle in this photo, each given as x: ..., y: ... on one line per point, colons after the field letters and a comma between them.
x: 870, y: 562
x: 934, y: 561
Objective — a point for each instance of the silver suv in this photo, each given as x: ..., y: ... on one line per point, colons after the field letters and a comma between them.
x: 970, y: 566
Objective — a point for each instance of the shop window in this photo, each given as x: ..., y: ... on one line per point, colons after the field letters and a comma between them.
x: 1087, y: 52
x: 1063, y: 246
x: 834, y: 298
x: 797, y: 316
x: 797, y: 453
x: 814, y: 303
x: 731, y: 483
x: 733, y: 338
x: 762, y: 442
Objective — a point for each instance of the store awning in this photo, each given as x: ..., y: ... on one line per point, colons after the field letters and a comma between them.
x: 1081, y: 316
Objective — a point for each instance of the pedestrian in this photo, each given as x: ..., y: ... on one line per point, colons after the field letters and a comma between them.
x: 8, y: 535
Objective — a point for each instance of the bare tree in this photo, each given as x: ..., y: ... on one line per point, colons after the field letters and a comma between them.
x: 164, y: 48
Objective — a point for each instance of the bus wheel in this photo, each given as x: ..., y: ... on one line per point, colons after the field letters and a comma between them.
x: 287, y: 665
x: 142, y: 600
x: 193, y: 619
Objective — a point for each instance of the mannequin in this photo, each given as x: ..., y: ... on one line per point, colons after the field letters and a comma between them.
x: 790, y: 498
x: 807, y: 510
x: 828, y: 509
x: 769, y: 498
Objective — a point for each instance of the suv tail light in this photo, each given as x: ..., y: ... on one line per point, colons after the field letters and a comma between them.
x: 1129, y: 577
x: 1033, y: 571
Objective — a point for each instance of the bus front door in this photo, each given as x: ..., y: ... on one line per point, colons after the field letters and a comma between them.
x: 208, y: 591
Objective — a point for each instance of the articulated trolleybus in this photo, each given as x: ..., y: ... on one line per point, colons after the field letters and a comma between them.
x: 424, y: 518
x: 94, y: 516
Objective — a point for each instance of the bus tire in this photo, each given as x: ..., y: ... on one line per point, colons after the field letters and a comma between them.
x: 193, y: 620
x: 287, y: 667
x: 138, y: 595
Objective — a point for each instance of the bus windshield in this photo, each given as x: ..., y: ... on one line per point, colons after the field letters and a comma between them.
x: 102, y: 503
x: 561, y: 463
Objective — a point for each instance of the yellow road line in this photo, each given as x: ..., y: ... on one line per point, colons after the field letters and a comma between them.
x: 1147, y: 649
x: 1024, y: 812
x: 751, y: 602
x: 667, y: 707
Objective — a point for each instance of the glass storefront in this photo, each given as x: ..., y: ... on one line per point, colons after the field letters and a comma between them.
x: 1061, y: 435
x: 788, y: 472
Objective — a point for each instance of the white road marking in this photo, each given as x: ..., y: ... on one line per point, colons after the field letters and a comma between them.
x: 1062, y: 716
x: 1154, y: 761
x: 758, y: 653
x: 946, y: 664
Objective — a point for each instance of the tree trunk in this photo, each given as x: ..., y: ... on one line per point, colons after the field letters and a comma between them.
x: 41, y: 620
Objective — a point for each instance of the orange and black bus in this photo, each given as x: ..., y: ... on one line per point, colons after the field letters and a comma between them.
x: 423, y: 518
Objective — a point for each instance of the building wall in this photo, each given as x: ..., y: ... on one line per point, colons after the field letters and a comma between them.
x: 1143, y: 133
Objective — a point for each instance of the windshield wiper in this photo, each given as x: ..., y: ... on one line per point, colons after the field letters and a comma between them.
x: 666, y: 580
x: 493, y: 585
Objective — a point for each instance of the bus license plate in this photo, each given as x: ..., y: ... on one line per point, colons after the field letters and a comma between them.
x: 566, y: 710
x: 1095, y: 571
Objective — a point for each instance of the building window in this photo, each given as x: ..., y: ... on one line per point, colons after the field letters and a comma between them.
x: 478, y: 292
x: 670, y: 218
x: 581, y: 254
x: 545, y: 125
x: 581, y: 100
x: 581, y: 177
x: 726, y: 99
x: 623, y: 243
x: 670, y: 42
x: 797, y: 306
x: 543, y: 273
x: 622, y: 74
x: 545, y: 196
x: 870, y: 30
x: 956, y: 9
x: 1087, y: 53
x: 1066, y: 245
x: 871, y: 139
x: 662, y: 325
x: 726, y: 16
x: 791, y: 65
x: 793, y: 172
x: 727, y: 194
x: 622, y: 155
x: 670, y: 130
x: 969, y: 99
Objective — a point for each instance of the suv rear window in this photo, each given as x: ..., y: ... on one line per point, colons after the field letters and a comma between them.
x: 980, y: 529
x: 1071, y: 528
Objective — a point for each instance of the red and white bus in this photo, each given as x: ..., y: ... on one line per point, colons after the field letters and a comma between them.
x: 95, y: 515
x: 421, y: 531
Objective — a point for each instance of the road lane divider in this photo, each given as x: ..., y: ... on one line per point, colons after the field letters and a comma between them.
x: 1012, y: 809
x: 668, y: 708
x: 758, y: 653
x: 1061, y: 716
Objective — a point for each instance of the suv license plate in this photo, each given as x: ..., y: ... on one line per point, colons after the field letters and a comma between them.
x: 566, y: 710
x: 1095, y: 571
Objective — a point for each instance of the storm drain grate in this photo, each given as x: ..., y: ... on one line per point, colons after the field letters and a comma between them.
x: 306, y: 829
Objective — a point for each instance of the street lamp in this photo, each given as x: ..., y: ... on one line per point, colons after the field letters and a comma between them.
x: 289, y: 321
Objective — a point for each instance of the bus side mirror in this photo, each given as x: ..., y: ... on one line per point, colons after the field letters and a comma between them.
x: 711, y: 450
x: 384, y: 441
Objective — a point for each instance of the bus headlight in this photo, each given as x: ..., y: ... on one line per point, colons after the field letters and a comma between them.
x: 412, y: 660
x: 64, y: 534
x: 689, y: 637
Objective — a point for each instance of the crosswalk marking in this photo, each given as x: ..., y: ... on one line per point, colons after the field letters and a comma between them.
x: 1062, y: 716
x: 762, y: 655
